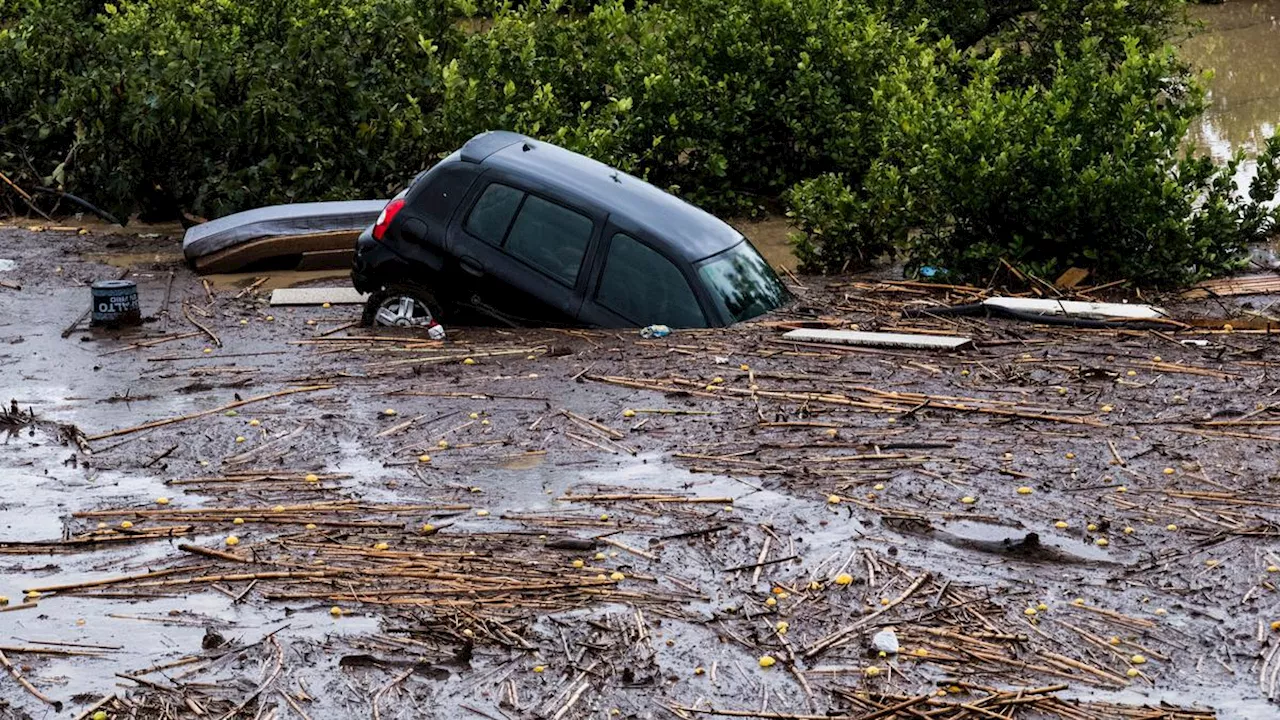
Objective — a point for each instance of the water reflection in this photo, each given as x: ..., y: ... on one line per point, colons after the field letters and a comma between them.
x: 1241, y: 43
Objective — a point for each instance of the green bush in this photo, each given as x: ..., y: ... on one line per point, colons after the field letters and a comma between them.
x: 1086, y: 170
x: 214, y: 106
x: 727, y: 103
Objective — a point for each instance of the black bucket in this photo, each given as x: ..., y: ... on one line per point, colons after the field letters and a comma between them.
x: 115, y: 303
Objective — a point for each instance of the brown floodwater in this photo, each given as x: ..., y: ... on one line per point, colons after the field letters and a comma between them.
x: 1240, y: 42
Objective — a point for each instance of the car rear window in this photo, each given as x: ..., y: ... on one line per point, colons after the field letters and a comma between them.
x: 492, y: 214
x: 742, y: 283
x: 644, y: 287
x: 550, y: 237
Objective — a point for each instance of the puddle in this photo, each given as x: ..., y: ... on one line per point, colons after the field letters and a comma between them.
x: 276, y: 278
x: 1228, y: 703
x: 135, y: 259
x: 1010, y: 540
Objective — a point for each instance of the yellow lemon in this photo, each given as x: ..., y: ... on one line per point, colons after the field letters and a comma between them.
x: 833, y: 499
x: 1102, y: 542
x: 255, y: 422
x: 579, y: 563
x: 126, y: 524
x: 1029, y: 612
x: 968, y: 500
x: 771, y: 602
x: 309, y: 526
x: 312, y: 478
x: 232, y: 540
x: 782, y: 627
x: 239, y: 438
x: 443, y: 444
x: 539, y: 668
x: 1024, y: 490
x: 1168, y: 471
x: 238, y: 521
x: 844, y: 579
x: 32, y: 594
x: 468, y: 361
x: 482, y: 513
x: 1061, y: 525
x: 381, y: 546
x: 1131, y: 672
x: 1137, y: 659
x: 474, y: 416
x: 389, y: 412
x: 767, y: 661
x: 428, y: 528
x: 278, y: 508
x: 1107, y: 408
x: 335, y: 611
x: 1170, y: 527
x: 424, y: 458
x: 628, y: 413
x: 871, y: 671
x: 162, y: 501
x: 617, y: 576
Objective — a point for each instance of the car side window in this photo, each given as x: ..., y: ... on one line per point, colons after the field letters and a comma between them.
x: 550, y: 237
x: 492, y: 214
x: 641, y: 285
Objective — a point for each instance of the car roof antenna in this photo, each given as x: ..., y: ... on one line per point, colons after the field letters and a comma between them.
x: 527, y: 147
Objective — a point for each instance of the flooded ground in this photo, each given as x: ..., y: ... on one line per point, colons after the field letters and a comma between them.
x: 578, y: 524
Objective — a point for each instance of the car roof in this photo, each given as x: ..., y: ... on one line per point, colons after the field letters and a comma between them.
x: 683, y: 230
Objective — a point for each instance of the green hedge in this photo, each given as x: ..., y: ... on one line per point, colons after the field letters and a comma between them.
x: 957, y: 133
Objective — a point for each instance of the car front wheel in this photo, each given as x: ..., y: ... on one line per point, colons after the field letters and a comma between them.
x: 402, y: 306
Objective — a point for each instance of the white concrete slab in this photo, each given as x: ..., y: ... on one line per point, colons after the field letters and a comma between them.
x: 318, y: 296
x: 874, y: 339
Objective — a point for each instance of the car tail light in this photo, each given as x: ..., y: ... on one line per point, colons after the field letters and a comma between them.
x: 384, y: 219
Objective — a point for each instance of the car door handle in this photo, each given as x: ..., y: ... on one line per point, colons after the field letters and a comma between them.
x: 471, y: 266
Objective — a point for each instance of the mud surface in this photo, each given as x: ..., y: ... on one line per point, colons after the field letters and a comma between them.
x: 1058, y: 523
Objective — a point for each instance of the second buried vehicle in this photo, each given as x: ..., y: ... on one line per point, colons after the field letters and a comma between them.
x: 529, y: 233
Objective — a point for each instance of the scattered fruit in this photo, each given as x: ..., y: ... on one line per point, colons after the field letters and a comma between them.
x: 255, y: 422
x: 782, y: 627
x: 239, y: 438
x: 1071, y: 456
x: 844, y: 579
x: 309, y: 526
x: 162, y: 501
x: 1170, y: 527
x: 1061, y: 525
x: 482, y: 513
x: 579, y: 564
x: 232, y: 540
x: 1030, y: 612
x: 428, y: 528
x: 1107, y: 408
x: 32, y: 594
x: 99, y: 715
x: 1102, y: 542
x: 443, y: 444
x: 312, y: 478
x: 468, y: 361
x: 1137, y: 659
x: 1131, y: 672
x: 771, y: 602
x: 424, y: 458
x: 389, y: 412
x: 335, y: 611
x: 618, y: 577
x: 126, y: 524
x: 1168, y: 471
x: 238, y: 521
x: 628, y: 413
x: 1024, y: 490
x: 278, y: 508
x: 767, y: 661
x: 871, y: 671
x: 381, y: 546
x: 474, y: 416
x: 1161, y: 612
x: 968, y: 499
x: 833, y: 499
x: 539, y: 668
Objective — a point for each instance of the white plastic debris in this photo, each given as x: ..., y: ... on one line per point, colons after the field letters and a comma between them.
x: 6, y: 264
x: 436, y: 332
x: 878, y: 339
x: 1075, y: 308
x: 885, y: 641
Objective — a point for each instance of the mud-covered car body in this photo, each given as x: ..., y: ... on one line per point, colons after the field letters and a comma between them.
x: 531, y: 233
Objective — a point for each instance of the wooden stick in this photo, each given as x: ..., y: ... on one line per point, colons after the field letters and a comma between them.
x: 192, y: 416
x: 843, y: 634
x: 186, y: 312
x: 17, y: 675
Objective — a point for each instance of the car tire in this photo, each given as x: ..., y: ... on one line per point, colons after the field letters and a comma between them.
x: 401, y: 305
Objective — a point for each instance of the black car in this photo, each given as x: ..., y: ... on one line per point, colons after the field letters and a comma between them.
x: 525, y: 232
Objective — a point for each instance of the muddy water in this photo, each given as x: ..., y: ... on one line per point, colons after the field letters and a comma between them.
x: 1241, y: 44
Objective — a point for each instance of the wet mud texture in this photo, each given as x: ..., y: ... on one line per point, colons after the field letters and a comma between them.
x: 317, y: 520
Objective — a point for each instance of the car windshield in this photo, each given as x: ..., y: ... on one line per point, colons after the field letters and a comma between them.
x: 742, y: 283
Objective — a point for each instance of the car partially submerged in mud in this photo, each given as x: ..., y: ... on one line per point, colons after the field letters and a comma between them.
x: 527, y: 233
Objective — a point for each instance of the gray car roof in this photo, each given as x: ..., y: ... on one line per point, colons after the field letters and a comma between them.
x: 684, y: 230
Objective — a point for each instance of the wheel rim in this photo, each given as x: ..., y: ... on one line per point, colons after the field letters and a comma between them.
x: 403, y: 311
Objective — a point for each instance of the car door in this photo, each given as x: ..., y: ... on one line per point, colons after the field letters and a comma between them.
x: 521, y: 253
x: 637, y: 285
